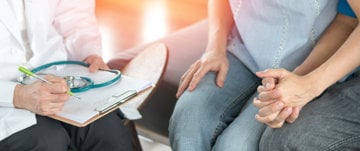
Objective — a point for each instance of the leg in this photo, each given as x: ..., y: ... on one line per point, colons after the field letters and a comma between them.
x: 330, y: 122
x: 46, y: 135
x: 107, y: 133
x: 201, y: 115
x: 243, y: 133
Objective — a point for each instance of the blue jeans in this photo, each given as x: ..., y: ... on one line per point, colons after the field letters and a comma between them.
x: 208, y: 117
x: 329, y: 123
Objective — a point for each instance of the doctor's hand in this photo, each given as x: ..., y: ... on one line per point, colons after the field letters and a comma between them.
x: 96, y: 63
x: 42, y: 98
x: 210, y: 61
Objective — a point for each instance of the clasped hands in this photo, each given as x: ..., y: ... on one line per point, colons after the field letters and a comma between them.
x: 281, y: 96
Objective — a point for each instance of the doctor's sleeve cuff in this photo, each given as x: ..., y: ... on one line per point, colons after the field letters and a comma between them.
x: 7, y: 93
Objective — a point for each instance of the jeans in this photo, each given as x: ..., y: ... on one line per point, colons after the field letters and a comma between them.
x: 328, y: 123
x: 208, y: 117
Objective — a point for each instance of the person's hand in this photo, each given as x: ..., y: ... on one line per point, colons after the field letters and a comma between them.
x: 96, y: 63
x: 271, y: 103
x: 292, y: 89
x: 210, y: 61
x: 275, y: 114
x: 272, y: 112
x: 42, y: 98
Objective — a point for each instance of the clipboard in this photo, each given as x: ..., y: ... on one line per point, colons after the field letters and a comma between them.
x: 96, y: 103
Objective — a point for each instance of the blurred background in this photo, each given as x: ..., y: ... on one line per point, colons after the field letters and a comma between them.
x: 125, y: 24
x: 128, y: 23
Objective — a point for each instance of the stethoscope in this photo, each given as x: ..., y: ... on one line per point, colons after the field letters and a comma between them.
x: 78, y: 83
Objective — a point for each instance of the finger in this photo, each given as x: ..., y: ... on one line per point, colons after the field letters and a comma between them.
x: 49, y: 108
x: 185, y: 75
x: 221, y: 76
x: 55, y: 79
x: 268, y: 83
x: 272, y: 73
x: 280, y: 119
x: 51, y: 111
x: 103, y: 65
x: 57, y: 98
x: 271, y: 109
x: 186, y: 78
x: 183, y: 84
x: 94, y: 67
x: 294, y: 115
x: 56, y: 88
x: 62, y: 98
x: 261, y: 88
x: 196, y: 78
x: 268, y: 95
x: 260, y: 104
x: 96, y: 63
x: 266, y: 119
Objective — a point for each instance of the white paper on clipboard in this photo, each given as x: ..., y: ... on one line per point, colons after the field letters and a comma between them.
x: 84, y: 109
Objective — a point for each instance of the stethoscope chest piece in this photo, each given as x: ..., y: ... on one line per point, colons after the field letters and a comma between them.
x: 78, y: 84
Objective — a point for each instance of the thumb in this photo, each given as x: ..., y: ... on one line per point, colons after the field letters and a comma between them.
x: 273, y: 73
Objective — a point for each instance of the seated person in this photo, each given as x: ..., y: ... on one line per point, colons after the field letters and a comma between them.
x: 38, y: 32
x: 329, y: 121
x: 215, y: 108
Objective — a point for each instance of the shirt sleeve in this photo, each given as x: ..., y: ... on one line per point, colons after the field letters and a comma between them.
x: 6, y: 88
x: 345, y: 9
x: 75, y: 20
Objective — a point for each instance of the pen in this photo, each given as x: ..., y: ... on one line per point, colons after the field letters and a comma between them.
x: 28, y: 72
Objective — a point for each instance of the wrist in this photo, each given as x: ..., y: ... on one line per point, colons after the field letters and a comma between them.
x: 217, y: 42
x: 316, y: 85
x: 17, y: 96
x: 300, y: 71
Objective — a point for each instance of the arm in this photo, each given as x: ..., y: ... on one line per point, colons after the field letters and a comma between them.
x: 221, y: 23
x: 214, y: 59
x: 341, y: 28
x: 75, y: 20
x: 345, y: 60
x: 315, y: 80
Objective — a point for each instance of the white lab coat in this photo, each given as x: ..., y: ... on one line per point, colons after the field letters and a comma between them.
x: 57, y: 30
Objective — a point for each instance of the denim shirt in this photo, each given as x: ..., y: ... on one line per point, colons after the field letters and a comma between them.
x: 277, y: 33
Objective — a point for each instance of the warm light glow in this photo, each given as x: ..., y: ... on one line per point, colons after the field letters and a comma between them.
x: 154, y: 26
x: 106, y: 42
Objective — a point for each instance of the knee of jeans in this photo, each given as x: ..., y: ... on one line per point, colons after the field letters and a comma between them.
x: 189, y: 119
x: 188, y: 109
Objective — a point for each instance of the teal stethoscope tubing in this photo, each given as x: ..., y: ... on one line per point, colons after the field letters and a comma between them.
x: 91, y: 84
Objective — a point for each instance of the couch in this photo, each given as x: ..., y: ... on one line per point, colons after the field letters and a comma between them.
x: 185, y: 46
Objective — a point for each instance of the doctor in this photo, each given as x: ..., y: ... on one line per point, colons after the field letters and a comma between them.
x: 35, y: 32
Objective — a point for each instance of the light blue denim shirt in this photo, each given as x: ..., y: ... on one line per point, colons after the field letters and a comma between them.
x: 277, y: 33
